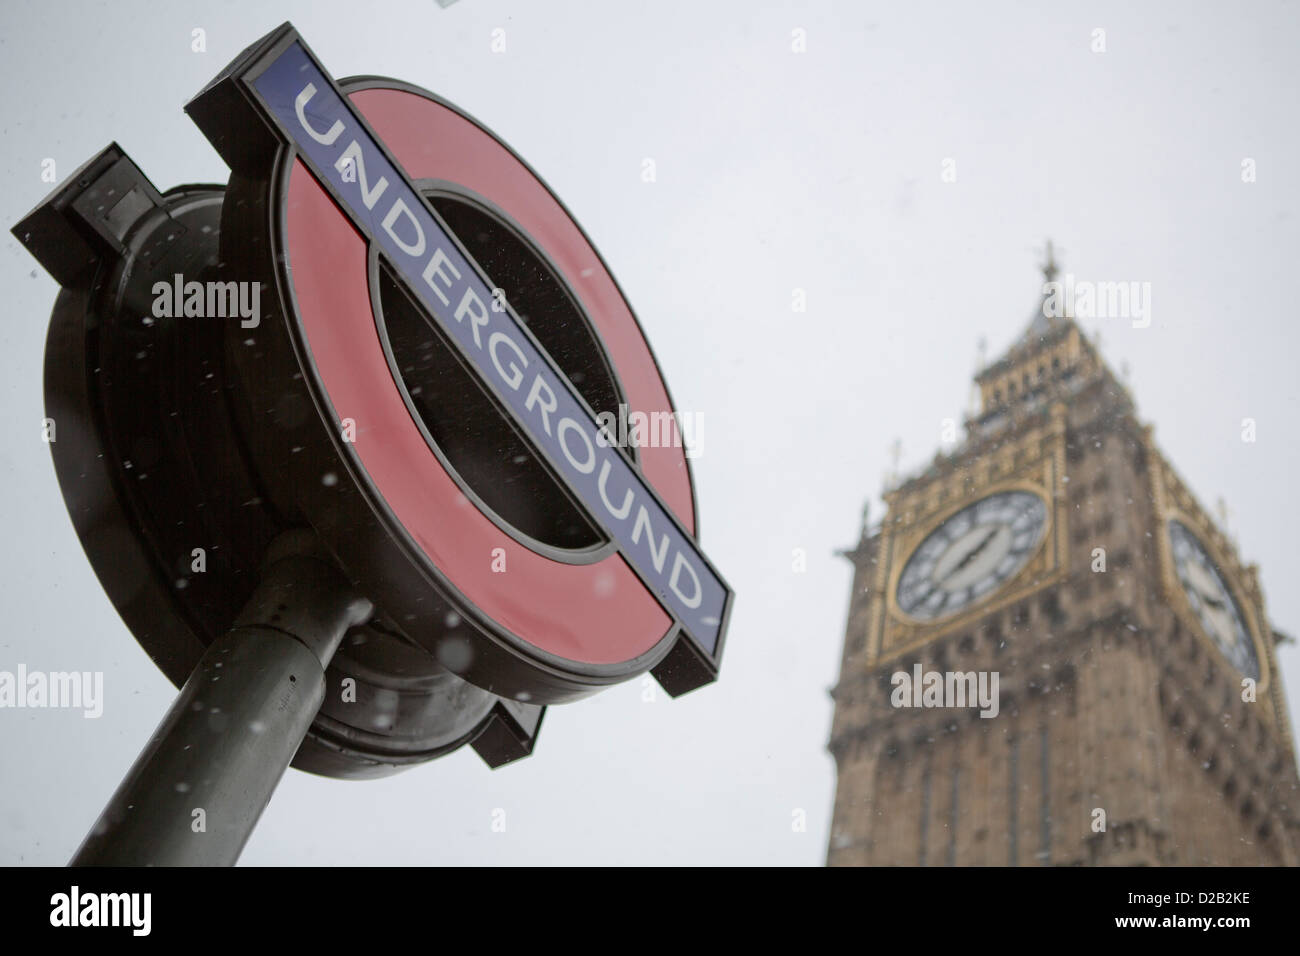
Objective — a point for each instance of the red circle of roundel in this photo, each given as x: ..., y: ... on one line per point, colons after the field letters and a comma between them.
x: 598, y: 613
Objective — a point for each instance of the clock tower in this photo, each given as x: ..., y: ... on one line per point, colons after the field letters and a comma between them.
x: 1054, y: 655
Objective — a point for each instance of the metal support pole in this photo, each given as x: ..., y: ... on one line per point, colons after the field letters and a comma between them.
x: 197, y: 789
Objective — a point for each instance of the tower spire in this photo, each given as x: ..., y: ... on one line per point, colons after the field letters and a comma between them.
x: 1047, y: 316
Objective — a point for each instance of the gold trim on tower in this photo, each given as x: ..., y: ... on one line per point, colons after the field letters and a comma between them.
x: 1175, y: 502
x: 1035, y: 462
x: 918, y: 535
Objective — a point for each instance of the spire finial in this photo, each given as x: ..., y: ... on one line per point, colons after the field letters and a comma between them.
x: 895, y: 450
x: 1050, y: 269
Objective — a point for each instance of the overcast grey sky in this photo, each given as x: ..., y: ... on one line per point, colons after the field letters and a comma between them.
x: 776, y: 170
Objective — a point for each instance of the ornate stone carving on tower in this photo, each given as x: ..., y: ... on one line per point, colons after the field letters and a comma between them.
x: 1139, y: 715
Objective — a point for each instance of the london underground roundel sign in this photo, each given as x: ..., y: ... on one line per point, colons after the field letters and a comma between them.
x: 439, y: 346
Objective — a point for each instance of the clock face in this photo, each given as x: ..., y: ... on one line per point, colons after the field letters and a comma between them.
x: 1211, y: 600
x: 971, y: 554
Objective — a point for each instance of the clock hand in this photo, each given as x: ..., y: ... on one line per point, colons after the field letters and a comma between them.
x: 1217, y: 611
x: 971, y: 554
x: 1201, y: 579
x: 1205, y: 587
